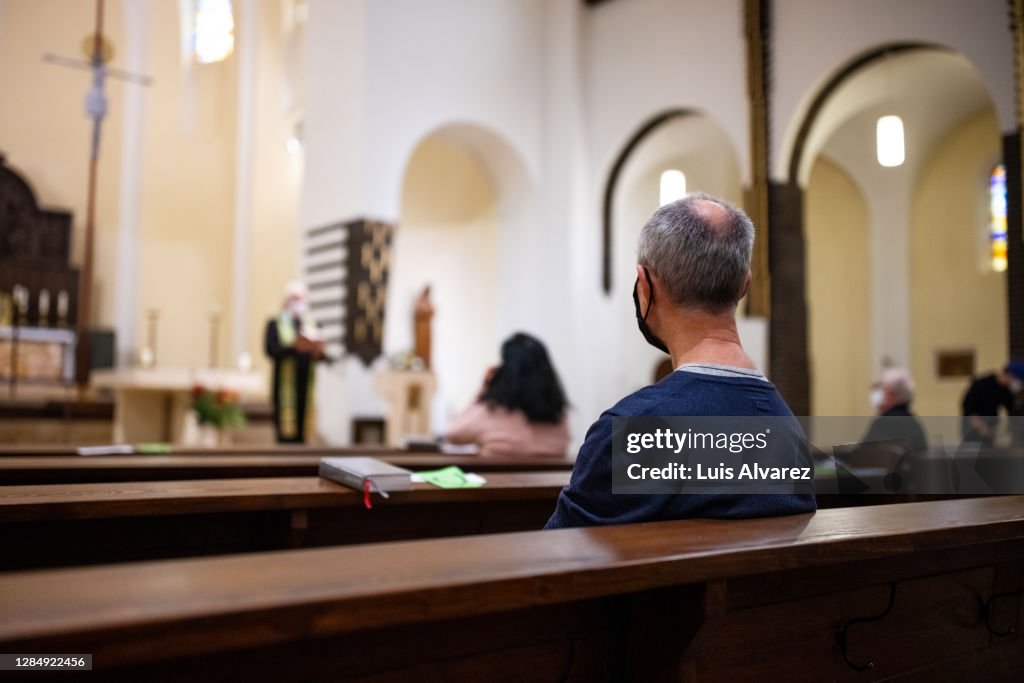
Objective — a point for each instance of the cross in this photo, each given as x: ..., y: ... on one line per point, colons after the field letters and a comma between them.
x: 96, y: 109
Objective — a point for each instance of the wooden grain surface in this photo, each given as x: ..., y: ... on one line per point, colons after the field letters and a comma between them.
x: 103, y: 500
x: 23, y: 470
x: 138, y: 612
x: 375, y: 450
x: 16, y: 450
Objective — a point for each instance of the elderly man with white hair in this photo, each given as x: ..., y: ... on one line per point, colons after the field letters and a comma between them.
x: 293, y: 343
x: 891, y: 397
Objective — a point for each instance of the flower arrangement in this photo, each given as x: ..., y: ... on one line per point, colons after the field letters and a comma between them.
x: 220, y: 409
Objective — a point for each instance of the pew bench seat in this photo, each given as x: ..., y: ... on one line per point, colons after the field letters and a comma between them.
x: 922, y: 591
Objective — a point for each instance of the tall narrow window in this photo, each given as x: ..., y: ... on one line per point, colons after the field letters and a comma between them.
x: 997, y: 217
x: 673, y: 186
x: 889, y: 141
x: 213, y: 33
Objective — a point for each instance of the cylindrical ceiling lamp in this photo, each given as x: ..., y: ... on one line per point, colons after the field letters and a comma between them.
x: 889, y: 141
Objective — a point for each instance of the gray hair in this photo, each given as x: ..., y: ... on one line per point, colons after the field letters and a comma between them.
x: 700, y: 246
x: 899, y: 382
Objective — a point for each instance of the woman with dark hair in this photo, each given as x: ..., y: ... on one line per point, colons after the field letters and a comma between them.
x: 521, y: 409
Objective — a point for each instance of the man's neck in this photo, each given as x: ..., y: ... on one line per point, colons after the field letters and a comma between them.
x: 700, y: 337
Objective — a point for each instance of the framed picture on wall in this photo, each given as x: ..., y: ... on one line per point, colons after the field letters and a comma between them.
x: 954, y: 364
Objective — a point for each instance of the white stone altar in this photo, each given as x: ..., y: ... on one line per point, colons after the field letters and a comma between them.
x: 152, y: 405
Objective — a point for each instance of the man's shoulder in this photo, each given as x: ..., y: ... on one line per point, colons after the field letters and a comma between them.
x: 679, y: 393
x: 649, y: 400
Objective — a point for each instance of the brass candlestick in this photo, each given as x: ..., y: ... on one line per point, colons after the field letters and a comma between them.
x: 20, y: 295
x: 44, y: 308
x: 147, y: 357
x: 62, y: 309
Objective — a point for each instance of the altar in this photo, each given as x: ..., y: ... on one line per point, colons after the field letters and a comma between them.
x: 37, y: 354
x: 153, y: 405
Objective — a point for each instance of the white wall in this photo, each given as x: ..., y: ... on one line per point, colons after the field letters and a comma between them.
x: 644, y: 57
x: 447, y: 61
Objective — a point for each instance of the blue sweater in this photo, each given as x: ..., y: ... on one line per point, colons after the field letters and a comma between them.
x: 588, y: 499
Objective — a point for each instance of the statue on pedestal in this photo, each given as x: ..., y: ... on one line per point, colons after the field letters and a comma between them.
x: 423, y: 314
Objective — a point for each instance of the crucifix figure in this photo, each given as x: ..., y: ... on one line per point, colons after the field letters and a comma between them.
x: 95, y: 109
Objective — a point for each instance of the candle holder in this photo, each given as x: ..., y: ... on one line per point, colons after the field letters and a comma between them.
x: 62, y: 308
x: 20, y: 296
x: 147, y: 357
x: 44, y: 308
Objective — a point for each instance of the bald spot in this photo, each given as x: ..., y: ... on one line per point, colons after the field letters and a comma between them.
x: 713, y: 213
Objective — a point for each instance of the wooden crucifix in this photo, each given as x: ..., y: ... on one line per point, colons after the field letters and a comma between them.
x: 95, y: 109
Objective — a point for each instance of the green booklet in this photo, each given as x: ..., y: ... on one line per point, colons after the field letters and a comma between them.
x: 153, y: 448
x: 451, y: 478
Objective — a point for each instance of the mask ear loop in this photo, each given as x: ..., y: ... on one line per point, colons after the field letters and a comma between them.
x: 650, y: 290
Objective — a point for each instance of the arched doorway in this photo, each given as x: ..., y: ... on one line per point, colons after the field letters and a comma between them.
x: 882, y: 287
x: 462, y: 206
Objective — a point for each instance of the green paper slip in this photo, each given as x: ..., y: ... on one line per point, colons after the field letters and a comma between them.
x: 153, y: 448
x: 451, y: 478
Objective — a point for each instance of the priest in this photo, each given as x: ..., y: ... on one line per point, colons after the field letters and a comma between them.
x: 294, y: 345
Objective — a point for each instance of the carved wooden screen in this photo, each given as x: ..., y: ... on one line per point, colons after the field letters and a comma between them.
x: 35, y: 246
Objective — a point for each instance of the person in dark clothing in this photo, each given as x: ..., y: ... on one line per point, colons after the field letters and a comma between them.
x: 985, y: 396
x: 891, y: 397
x: 293, y: 343
x: 693, y: 268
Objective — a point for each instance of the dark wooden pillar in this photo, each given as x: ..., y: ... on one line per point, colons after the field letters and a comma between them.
x: 1014, y: 244
x: 787, y: 337
x: 757, y: 29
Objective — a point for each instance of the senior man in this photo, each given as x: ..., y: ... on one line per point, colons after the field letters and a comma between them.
x: 693, y: 268
x: 891, y: 397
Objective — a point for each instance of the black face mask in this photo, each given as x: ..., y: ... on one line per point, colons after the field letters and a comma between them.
x: 641, y: 319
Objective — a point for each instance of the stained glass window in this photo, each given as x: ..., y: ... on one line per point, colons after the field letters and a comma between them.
x: 997, y: 217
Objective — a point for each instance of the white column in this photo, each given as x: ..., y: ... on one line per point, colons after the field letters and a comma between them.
x: 246, y: 104
x: 569, y: 230
x: 136, y: 38
x: 333, y: 172
x: 890, y: 268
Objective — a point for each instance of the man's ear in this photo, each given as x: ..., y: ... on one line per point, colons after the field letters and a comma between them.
x: 643, y: 289
x: 746, y: 284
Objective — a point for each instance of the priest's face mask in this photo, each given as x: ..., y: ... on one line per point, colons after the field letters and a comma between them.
x: 298, y: 305
x: 641, y: 317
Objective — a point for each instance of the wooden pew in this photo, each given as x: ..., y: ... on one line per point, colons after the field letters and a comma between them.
x: 124, y: 468
x: 111, y: 468
x: 63, y: 525
x: 67, y: 524
x: 923, y: 591
x: 24, y: 450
